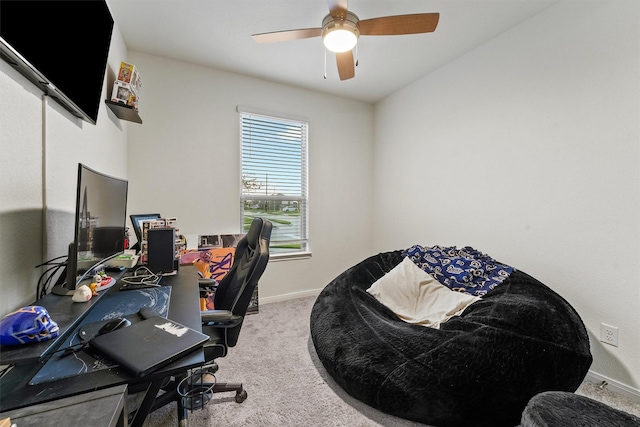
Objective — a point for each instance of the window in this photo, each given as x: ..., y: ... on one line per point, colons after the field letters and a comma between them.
x: 274, y: 179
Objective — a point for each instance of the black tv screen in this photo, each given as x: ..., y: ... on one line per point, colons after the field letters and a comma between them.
x: 100, y: 221
x: 61, y: 46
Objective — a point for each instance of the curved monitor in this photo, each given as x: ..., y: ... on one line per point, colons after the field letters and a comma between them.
x: 100, y: 221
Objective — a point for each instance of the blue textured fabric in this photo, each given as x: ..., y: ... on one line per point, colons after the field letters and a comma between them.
x: 464, y: 270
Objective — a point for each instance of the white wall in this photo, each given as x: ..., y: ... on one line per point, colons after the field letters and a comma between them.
x: 527, y: 148
x: 37, y: 141
x: 20, y: 189
x: 184, y: 162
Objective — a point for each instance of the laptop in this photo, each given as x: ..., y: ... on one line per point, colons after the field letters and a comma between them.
x: 148, y: 345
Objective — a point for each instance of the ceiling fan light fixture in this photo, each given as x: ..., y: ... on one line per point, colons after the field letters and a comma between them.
x: 340, y: 35
x: 340, y: 40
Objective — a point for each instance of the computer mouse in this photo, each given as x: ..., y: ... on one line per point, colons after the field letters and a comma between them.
x: 114, y: 324
x: 147, y: 313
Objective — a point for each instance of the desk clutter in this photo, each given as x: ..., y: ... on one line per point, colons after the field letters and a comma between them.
x: 162, y: 247
x: 161, y: 244
x: 27, y: 325
x: 164, y: 341
x: 140, y: 278
x: 127, y: 305
x: 71, y: 365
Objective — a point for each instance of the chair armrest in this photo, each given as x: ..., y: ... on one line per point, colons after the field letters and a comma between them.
x: 203, y: 283
x: 220, y: 318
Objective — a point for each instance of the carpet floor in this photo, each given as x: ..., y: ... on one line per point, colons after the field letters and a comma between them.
x: 288, y: 386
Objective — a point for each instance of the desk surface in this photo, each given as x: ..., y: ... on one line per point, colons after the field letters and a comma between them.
x: 66, y: 314
x: 15, y: 392
x: 106, y: 408
x: 113, y: 305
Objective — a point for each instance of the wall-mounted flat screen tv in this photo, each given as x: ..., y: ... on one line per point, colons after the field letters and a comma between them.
x: 61, y: 46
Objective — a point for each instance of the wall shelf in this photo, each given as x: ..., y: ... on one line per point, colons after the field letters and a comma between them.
x: 124, y: 112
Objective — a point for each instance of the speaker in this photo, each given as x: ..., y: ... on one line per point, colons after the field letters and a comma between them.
x: 161, y: 250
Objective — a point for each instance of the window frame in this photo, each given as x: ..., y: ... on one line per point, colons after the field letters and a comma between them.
x: 278, y: 248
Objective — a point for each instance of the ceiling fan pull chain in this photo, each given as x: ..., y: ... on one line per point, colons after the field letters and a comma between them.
x: 356, y: 55
x: 325, y: 64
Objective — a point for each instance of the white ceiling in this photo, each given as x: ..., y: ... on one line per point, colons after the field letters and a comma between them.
x: 217, y: 34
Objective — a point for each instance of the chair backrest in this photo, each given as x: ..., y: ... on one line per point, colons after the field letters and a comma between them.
x: 236, y: 288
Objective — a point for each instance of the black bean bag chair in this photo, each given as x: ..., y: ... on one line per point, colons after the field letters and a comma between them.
x: 478, y: 369
x: 564, y: 409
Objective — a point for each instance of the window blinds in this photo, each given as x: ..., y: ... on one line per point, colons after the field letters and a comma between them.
x: 274, y: 173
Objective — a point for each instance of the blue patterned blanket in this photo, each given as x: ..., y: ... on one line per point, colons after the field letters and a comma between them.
x: 464, y: 270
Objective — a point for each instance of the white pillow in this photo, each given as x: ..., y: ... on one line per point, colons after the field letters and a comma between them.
x: 416, y: 297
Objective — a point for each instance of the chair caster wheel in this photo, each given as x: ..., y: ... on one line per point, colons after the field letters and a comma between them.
x: 241, y: 396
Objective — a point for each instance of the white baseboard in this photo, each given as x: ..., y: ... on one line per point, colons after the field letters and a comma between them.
x: 614, y: 386
x: 285, y: 297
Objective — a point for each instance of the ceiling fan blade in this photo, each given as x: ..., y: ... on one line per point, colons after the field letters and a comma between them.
x: 287, y: 35
x: 337, y: 8
x: 399, y: 24
x: 346, y: 69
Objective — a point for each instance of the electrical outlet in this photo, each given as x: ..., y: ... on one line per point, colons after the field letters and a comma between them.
x: 609, y: 334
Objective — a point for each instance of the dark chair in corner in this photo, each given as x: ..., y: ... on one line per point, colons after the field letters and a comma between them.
x: 232, y: 298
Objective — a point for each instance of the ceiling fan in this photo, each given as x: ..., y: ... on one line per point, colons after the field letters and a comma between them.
x: 341, y: 29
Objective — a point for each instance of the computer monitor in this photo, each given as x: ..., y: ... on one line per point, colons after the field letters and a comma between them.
x: 136, y: 222
x: 100, y: 220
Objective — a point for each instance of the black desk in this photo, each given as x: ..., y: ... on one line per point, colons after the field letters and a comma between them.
x: 106, y: 408
x: 66, y: 314
x: 15, y: 391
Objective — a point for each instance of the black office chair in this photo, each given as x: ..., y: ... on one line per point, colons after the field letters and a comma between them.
x: 232, y: 298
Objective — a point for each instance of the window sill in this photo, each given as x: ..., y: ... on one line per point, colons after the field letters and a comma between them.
x: 288, y: 257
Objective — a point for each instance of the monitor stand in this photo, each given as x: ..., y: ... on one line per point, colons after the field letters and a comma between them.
x: 61, y: 290
x: 69, y: 273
